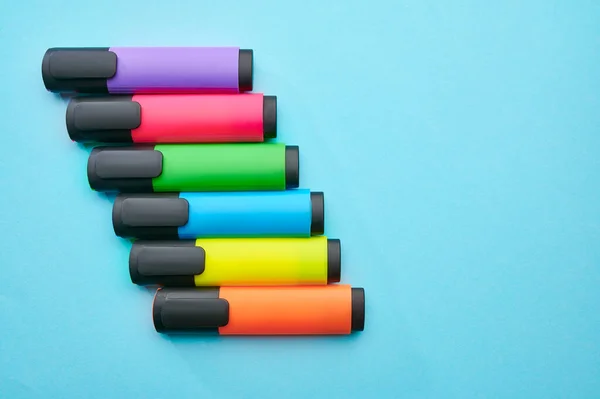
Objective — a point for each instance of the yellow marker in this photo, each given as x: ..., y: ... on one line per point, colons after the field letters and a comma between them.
x: 236, y: 261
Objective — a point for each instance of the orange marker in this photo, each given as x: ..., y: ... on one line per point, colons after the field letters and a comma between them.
x: 298, y: 310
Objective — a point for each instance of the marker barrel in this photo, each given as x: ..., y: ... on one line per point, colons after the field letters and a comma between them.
x: 183, y: 118
x: 172, y: 216
x: 194, y: 167
x: 114, y: 70
x: 236, y: 262
x: 319, y: 310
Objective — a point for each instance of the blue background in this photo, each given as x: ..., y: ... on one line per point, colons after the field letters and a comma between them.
x: 458, y: 146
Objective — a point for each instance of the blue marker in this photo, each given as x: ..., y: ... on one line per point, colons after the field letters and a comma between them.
x: 190, y: 215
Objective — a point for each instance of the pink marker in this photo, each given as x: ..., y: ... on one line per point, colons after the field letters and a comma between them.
x: 173, y: 118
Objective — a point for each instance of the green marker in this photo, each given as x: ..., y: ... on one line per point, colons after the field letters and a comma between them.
x: 194, y: 167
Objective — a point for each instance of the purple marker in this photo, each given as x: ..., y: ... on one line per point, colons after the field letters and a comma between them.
x: 119, y: 70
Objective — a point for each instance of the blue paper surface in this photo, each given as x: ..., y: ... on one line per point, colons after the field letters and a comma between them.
x: 457, y: 144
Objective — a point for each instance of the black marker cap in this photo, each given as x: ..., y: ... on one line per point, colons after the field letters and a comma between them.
x: 269, y: 117
x: 107, y: 119
x: 334, y: 261
x: 149, y: 216
x: 358, y: 309
x: 126, y: 169
x: 317, y: 201
x: 292, y: 166
x: 245, y: 70
x: 170, y: 263
x: 78, y: 70
x: 180, y: 310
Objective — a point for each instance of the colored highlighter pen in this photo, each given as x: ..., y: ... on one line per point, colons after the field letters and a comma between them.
x: 236, y: 262
x: 114, y: 70
x: 176, y: 118
x: 172, y: 216
x: 194, y: 167
x: 318, y: 310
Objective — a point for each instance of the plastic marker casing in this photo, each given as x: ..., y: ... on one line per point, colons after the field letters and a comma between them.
x: 114, y: 70
x: 300, y: 310
x: 236, y: 262
x: 194, y: 167
x: 172, y: 216
x: 176, y: 118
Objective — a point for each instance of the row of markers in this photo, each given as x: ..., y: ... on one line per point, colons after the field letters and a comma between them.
x: 218, y: 220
